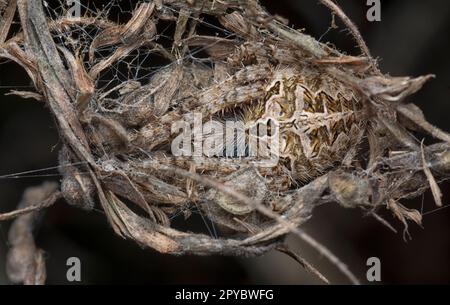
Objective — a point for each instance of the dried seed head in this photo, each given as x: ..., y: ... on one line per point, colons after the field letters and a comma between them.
x: 443, y: 159
x: 78, y: 191
x: 262, y: 71
x: 349, y: 191
x: 76, y: 188
x: 250, y: 183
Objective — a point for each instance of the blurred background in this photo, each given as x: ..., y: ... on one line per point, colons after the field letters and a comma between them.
x: 411, y: 39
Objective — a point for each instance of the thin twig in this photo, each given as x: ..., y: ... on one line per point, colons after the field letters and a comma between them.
x: 34, y: 208
x: 383, y: 221
x: 308, y: 267
x: 350, y: 25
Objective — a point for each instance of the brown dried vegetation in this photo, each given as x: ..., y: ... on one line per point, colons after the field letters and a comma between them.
x: 117, y: 140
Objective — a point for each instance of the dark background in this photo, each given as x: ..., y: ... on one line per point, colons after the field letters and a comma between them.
x: 412, y: 39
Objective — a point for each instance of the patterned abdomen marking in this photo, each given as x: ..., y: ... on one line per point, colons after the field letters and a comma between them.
x: 318, y: 120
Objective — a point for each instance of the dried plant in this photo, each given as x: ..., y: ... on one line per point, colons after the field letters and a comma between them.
x: 115, y: 89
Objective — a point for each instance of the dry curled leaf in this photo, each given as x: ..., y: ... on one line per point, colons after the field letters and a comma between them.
x: 405, y: 214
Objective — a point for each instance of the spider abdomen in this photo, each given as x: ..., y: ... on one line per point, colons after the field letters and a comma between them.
x: 319, y: 120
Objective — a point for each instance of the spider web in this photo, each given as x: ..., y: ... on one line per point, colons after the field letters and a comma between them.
x: 136, y: 67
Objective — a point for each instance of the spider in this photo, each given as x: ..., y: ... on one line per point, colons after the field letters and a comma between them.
x: 117, y: 139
